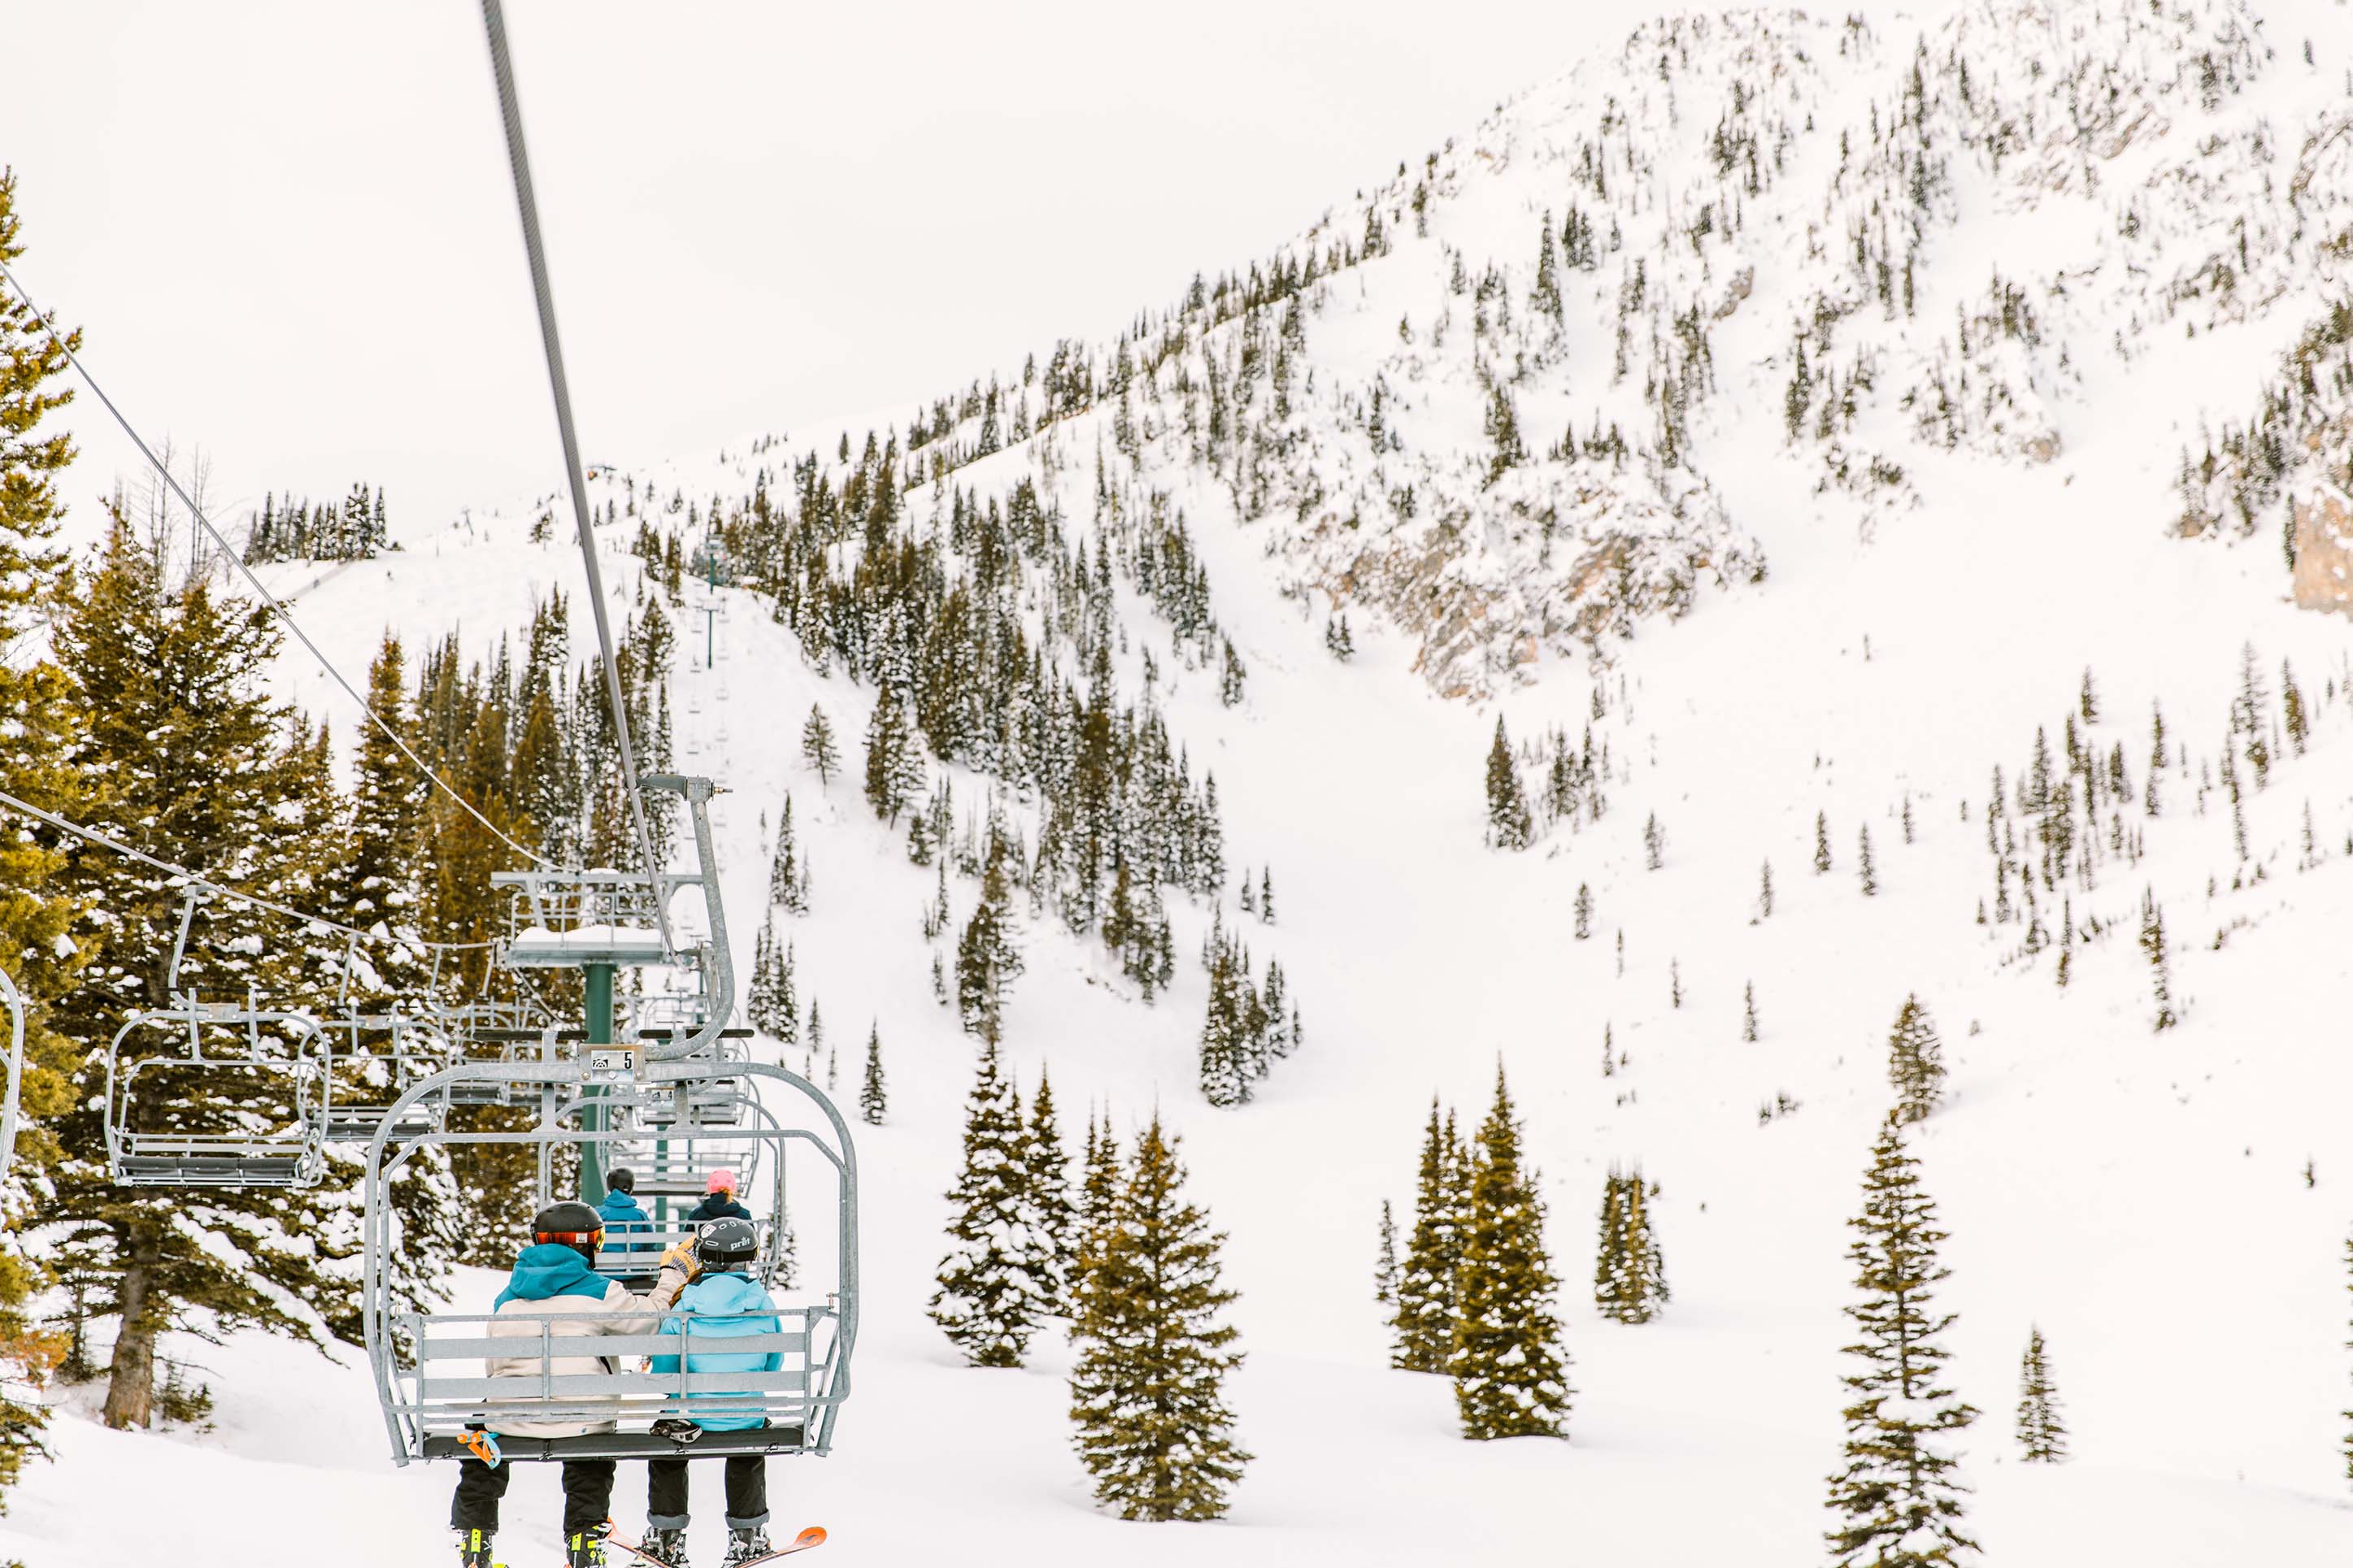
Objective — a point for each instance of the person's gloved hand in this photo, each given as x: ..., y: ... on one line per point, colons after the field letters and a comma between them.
x: 682, y: 1256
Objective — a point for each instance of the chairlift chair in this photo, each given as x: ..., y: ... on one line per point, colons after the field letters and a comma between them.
x: 158, y: 1133
x: 427, y: 1365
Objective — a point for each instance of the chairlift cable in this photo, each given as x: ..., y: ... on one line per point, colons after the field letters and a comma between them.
x: 519, y: 163
x: 237, y: 559
x: 92, y: 836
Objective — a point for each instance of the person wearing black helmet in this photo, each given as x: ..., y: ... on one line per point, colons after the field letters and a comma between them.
x: 556, y: 1271
x: 624, y: 1215
x: 722, y: 1302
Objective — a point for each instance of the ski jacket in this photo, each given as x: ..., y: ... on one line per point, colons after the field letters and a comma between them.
x: 717, y: 1206
x: 723, y: 1306
x: 622, y: 1216
x: 551, y: 1276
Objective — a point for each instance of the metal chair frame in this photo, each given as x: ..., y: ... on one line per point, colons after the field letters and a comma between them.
x: 427, y: 1413
x: 292, y: 1156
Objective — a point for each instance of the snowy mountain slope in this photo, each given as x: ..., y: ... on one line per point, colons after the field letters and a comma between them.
x: 2141, y: 1196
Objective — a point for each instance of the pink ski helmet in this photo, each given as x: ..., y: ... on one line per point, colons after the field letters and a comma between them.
x: 722, y: 1181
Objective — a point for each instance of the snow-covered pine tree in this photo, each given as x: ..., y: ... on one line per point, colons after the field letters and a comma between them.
x: 1821, y: 843
x: 1147, y: 1388
x: 1424, y: 1318
x: 1899, y: 1497
x: 1584, y: 909
x: 1629, y: 1276
x: 989, y: 1302
x: 1509, y: 1371
x: 987, y: 958
x: 2042, y: 1434
x: 2153, y: 948
x: 1765, y: 892
x: 894, y: 772
x: 787, y: 881
x: 1509, y: 821
x: 819, y: 748
x: 1749, y: 1014
x: 1047, y: 1192
x: 41, y: 762
x: 762, y: 1004
x: 1870, y: 875
x: 873, y: 1098
x: 1654, y: 843
x: 239, y: 795
x: 1915, y: 1061
x: 1384, y: 1262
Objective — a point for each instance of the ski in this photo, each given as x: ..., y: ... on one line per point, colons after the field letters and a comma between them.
x: 813, y: 1536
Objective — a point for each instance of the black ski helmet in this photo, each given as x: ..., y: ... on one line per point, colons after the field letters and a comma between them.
x: 572, y: 1224
x: 622, y: 1180
x: 726, y: 1244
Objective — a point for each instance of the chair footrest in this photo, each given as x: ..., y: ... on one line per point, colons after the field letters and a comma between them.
x: 629, y: 1446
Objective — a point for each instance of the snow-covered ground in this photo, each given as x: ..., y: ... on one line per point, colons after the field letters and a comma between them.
x: 2170, y: 1208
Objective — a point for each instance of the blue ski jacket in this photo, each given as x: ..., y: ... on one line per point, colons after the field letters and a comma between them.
x: 723, y: 1306
x: 622, y: 1214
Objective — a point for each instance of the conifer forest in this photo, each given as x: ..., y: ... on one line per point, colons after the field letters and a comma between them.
x: 1734, y: 680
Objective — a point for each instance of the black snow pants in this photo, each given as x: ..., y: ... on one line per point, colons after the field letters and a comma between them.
x: 587, y: 1496
x: 747, y: 1492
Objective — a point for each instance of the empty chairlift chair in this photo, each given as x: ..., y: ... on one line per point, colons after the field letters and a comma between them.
x: 369, y: 1059
x: 232, y: 1097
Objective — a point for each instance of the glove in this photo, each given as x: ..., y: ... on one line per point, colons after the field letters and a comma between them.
x: 682, y: 1257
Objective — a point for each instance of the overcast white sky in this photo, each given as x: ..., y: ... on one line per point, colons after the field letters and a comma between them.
x: 286, y: 228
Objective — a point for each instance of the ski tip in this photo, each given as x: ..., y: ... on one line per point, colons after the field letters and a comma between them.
x: 813, y: 1536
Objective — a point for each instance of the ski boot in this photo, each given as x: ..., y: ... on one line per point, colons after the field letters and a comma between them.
x: 474, y: 1548
x: 746, y: 1545
x: 667, y: 1546
x: 586, y: 1550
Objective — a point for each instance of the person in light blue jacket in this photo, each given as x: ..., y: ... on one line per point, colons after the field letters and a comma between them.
x: 722, y: 1302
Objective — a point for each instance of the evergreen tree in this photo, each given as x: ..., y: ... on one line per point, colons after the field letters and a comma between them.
x: 201, y: 769
x: 2042, y: 1435
x: 376, y: 888
x: 1916, y: 1062
x: 988, y: 959
x: 1385, y: 1265
x: 1863, y: 865
x: 769, y: 1000
x: 1584, y: 911
x: 1749, y: 1014
x: 43, y: 762
x: 2153, y: 948
x: 872, y: 1100
x: 1424, y: 1318
x: 819, y: 748
x: 1508, y: 822
x: 1629, y: 1275
x: 989, y: 1302
x: 1047, y: 1189
x: 1510, y: 1374
x: 1821, y: 843
x: 1898, y: 1496
x: 1147, y: 1389
x: 788, y: 880
x: 1765, y: 893
x: 1654, y: 843
x: 894, y: 772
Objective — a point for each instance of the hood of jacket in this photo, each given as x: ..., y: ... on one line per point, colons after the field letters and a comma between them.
x: 726, y: 1295
x: 549, y: 1269
x: 620, y: 1206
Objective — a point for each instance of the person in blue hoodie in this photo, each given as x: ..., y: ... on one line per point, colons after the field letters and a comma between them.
x: 723, y: 1301
x: 624, y: 1215
x: 555, y: 1273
